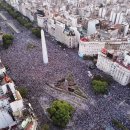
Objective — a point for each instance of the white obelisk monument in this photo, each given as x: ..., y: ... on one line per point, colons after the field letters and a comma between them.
x: 44, y: 48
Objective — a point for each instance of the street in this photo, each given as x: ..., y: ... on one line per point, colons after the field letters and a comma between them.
x: 28, y: 70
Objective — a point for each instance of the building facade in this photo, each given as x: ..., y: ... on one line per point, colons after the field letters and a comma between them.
x: 12, y: 106
x: 62, y: 33
x: 92, y: 48
x: 115, y: 65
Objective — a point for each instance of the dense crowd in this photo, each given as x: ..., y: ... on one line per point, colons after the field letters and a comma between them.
x: 27, y: 69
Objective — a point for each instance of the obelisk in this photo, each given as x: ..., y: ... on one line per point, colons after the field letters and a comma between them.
x: 44, y: 47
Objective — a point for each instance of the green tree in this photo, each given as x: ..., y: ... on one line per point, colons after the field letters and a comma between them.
x: 21, y: 20
x: 36, y: 32
x: 119, y: 125
x: 14, y: 14
x: 7, y: 40
x: 45, y: 127
x: 99, y: 86
x: 23, y: 91
x: 60, y: 112
x: 24, y: 21
x: 105, y: 78
x: 28, y: 25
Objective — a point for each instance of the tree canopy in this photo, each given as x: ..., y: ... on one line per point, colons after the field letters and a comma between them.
x: 36, y: 32
x: 99, y: 86
x: 60, y: 112
x: 7, y: 40
x: 23, y: 91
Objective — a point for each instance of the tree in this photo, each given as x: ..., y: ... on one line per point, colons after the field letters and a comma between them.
x: 21, y: 20
x: 45, y: 127
x: 7, y: 40
x: 60, y: 112
x: 28, y: 25
x: 14, y: 14
x: 99, y: 86
x: 105, y: 78
x: 36, y: 32
x: 23, y: 91
x: 24, y: 21
x: 119, y: 125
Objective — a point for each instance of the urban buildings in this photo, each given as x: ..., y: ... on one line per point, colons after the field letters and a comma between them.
x: 68, y: 21
x: 92, y: 26
x: 15, y: 113
x: 116, y: 64
x: 90, y: 48
x: 111, y: 29
x: 63, y: 33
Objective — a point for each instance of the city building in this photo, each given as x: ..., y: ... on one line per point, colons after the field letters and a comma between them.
x: 71, y: 22
x: 116, y: 64
x: 104, y: 34
x: 93, y: 47
x: 63, y: 33
x: 13, y: 107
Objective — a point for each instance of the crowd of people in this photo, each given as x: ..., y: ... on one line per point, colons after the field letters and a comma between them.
x: 27, y: 69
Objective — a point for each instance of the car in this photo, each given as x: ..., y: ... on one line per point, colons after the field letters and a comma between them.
x: 2, y: 69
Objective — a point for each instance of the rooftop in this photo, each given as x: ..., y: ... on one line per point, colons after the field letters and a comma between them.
x: 122, y: 58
